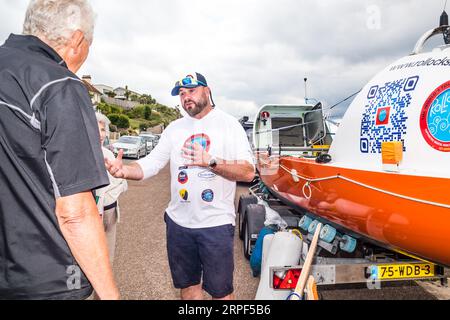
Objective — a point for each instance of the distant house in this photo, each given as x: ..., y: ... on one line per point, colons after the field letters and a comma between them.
x: 120, y: 97
x: 121, y: 93
x: 101, y: 92
x: 96, y: 95
x: 103, y: 88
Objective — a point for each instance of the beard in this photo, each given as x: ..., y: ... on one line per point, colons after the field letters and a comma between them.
x: 198, y: 107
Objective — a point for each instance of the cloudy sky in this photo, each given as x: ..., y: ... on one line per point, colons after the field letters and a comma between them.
x: 252, y: 52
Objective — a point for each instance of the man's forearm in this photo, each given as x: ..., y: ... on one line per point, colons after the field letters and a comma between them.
x: 133, y: 171
x: 82, y: 228
x: 235, y: 170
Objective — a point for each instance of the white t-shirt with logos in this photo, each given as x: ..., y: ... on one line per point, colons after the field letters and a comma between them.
x: 200, y: 198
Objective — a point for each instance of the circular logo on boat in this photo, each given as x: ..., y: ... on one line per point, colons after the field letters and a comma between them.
x: 435, y: 118
x: 183, y: 177
x: 202, y: 139
x: 208, y: 195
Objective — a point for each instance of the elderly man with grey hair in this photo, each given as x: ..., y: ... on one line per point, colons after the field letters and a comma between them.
x: 52, y: 243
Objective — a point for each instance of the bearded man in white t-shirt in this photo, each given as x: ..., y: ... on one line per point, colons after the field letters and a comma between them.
x: 208, y: 152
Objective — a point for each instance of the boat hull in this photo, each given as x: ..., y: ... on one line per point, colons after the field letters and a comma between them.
x: 405, y: 213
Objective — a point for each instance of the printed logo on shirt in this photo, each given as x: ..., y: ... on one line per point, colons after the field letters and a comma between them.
x: 208, y: 195
x: 202, y: 139
x: 207, y: 175
x: 183, y: 177
x: 184, y: 194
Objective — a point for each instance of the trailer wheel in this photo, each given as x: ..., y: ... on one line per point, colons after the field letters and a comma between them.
x: 244, y: 201
x: 255, y: 215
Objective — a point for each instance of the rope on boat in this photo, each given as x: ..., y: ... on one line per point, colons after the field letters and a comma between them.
x: 310, y: 181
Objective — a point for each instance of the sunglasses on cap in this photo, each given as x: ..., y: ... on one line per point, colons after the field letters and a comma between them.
x: 189, y: 80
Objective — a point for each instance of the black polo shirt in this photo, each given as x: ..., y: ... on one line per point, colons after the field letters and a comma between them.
x: 49, y: 148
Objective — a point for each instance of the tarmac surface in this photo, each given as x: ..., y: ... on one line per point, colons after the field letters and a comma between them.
x: 141, y: 265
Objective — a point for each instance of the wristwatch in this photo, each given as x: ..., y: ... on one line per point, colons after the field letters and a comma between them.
x: 212, y: 163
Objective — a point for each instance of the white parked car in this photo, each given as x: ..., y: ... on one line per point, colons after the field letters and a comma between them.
x: 133, y: 147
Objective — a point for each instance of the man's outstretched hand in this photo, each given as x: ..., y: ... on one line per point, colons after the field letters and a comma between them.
x: 115, y: 167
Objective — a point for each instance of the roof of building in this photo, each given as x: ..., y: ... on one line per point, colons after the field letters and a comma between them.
x: 130, y: 91
x: 104, y: 86
x: 90, y: 87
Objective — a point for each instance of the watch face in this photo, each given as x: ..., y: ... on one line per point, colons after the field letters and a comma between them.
x: 213, y: 162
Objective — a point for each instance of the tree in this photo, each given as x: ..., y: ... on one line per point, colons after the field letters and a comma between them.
x: 119, y: 120
x: 116, y: 109
x: 108, y: 109
x: 146, y: 99
x: 161, y: 108
x: 123, y: 122
x: 147, y: 113
x: 136, y: 112
x: 114, y: 118
x: 127, y: 93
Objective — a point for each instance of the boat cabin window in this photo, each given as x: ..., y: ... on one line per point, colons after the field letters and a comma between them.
x: 315, y: 130
x: 292, y: 137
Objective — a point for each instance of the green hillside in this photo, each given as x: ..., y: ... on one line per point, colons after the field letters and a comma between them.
x: 141, y: 117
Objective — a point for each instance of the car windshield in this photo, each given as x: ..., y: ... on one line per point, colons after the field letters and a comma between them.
x: 147, y: 138
x: 131, y: 140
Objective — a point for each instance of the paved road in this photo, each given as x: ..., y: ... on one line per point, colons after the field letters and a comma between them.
x: 142, y: 270
x: 140, y: 265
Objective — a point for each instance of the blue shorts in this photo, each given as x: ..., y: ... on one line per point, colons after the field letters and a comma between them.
x: 207, y: 251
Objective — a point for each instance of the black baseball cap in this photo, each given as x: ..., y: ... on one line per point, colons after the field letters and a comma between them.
x: 190, y: 81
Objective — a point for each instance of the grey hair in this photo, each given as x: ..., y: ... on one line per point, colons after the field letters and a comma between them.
x: 56, y: 20
x: 103, y: 119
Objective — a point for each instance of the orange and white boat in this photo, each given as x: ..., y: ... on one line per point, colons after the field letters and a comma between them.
x: 384, y: 177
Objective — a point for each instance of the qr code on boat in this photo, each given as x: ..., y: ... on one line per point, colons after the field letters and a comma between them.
x: 384, y: 118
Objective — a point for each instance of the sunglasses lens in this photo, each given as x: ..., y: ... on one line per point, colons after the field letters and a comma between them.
x: 187, y: 81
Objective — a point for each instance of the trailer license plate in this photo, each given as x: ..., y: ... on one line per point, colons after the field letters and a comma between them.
x: 404, y: 271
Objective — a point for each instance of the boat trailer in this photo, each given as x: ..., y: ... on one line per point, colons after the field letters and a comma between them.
x: 343, y: 260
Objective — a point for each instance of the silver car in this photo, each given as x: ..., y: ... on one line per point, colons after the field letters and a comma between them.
x: 133, y: 147
x: 150, y: 140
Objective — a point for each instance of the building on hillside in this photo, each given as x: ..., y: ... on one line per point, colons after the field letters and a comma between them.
x: 104, y: 89
x: 120, y: 97
x: 96, y: 95
x: 101, y: 92
x: 121, y: 93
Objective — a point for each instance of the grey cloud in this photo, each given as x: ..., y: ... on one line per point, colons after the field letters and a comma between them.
x: 253, y: 52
